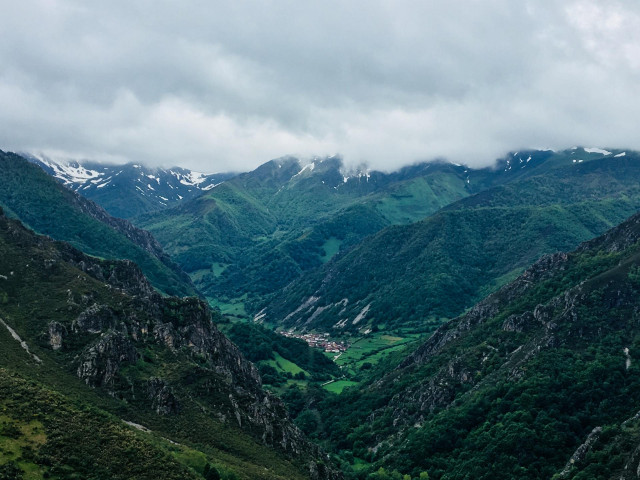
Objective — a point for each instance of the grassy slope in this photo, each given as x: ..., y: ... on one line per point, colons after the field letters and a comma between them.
x: 43, y: 204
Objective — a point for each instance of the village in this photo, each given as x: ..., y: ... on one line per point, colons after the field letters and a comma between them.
x: 318, y: 340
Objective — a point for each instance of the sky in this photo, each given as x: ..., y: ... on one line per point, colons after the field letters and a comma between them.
x: 221, y: 86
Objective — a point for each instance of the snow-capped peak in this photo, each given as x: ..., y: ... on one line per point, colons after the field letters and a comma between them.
x: 68, y: 171
x: 107, y: 184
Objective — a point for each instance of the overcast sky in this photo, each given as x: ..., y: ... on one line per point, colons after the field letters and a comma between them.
x: 216, y: 85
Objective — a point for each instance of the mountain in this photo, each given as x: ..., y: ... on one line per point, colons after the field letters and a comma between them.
x: 538, y: 380
x: 130, y: 189
x: 42, y: 203
x: 416, y: 275
x: 253, y: 235
x: 257, y: 232
x: 102, y: 377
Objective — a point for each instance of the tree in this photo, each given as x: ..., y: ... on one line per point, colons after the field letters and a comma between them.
x: 211, y: 472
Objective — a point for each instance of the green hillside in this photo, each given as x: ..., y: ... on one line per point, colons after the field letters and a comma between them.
x: 419, y: 274
x: 38, y: 200
x: 255, y: 233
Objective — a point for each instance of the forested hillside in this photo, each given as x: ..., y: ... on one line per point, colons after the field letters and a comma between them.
x: 257, y: 232
x: 28, y: 193
x: 539, y: 380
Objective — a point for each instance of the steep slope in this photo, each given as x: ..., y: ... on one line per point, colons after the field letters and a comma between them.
x: 540, y: 378
x: 131, y: 189
x: 96, y: 332
x: 39, y: 201
x: 260, y: 230
x: 417, y: 274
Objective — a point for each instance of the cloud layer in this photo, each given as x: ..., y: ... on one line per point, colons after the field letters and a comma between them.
x: 229, y: 85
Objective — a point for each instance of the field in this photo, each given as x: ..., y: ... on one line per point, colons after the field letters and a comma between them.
x: 371, y: 349
x: 283, y: 365
x: 330, y: 247
x: 339, y: 385
x: 233, y: 308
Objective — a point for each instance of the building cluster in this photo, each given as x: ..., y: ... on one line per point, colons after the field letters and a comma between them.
x: 318, y: 340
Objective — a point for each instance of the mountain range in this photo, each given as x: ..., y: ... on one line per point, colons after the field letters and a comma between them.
x: 257, y: 232
x: 418, y: 274
x: 478, y: 323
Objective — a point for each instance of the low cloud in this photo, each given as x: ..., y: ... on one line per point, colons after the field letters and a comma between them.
x: 231, y: 85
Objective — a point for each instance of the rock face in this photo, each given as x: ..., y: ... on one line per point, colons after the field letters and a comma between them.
x: 94, y: 319
x: 582, y: 450
x: 100, y: 363
x: 57, y: 332
x: 163, y: 401
x: 183, y: 327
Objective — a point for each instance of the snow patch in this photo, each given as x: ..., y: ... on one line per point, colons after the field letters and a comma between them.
x: 69, y: 172
x: 209, y: 187
x: 309, y: 167
x: 597, y: 150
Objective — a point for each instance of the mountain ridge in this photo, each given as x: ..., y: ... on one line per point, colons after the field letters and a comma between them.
x: 442, y: 264
x: 535, y: 381
x: 127, y: 190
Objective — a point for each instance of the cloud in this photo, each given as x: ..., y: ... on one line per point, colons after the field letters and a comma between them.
x: 229, y: 85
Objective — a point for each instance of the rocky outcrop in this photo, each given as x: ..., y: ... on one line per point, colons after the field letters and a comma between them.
x: 57, y: 332
x: 162, y: 398
x: 617, y: 239
x: 100, y: 363
x: 163, y: 354
x: 95, y: 319
x: 546, y: 267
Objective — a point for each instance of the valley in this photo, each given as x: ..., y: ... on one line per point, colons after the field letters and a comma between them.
x: 372, y: 319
